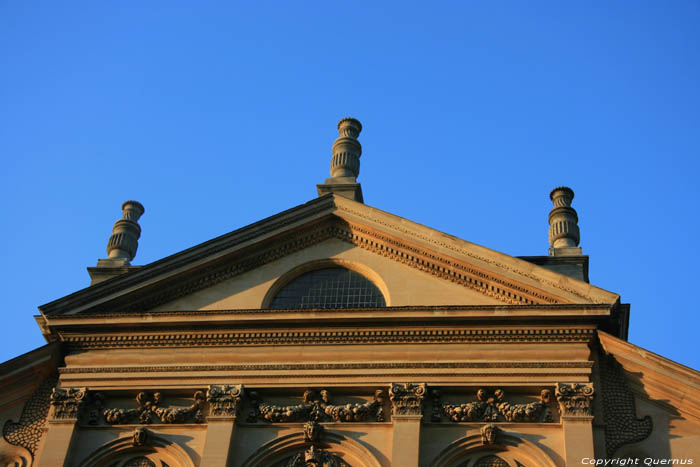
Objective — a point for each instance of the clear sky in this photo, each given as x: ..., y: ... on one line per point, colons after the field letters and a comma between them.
x: 218, y: 114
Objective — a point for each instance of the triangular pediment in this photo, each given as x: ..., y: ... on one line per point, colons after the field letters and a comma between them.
x: 415, y: 264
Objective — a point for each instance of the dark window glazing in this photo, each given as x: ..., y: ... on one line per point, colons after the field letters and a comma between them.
x: 329, y: 288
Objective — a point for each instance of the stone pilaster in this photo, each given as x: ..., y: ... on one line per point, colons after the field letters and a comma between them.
x: 575, y: 407
x: 63, y: 416
x: 224, y: 406
x: 407, y: 413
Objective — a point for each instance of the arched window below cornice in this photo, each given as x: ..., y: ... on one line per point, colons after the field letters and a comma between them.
x: 333, y: 287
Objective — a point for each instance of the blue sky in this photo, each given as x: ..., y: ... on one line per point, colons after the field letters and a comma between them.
x: 218, y: 114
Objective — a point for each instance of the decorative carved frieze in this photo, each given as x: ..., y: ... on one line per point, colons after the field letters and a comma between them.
x: 66, y: 403
x: 575, y: 398
x: 150, y: 409
x: 491, y: 407
x: 407, y: 398
x: 316, y: 406
x: 490, y: 434
x: 619, y: 410
x: 224, y: 401
x: 28, y: 431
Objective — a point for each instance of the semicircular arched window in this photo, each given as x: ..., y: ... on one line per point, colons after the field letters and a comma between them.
x: 329, y: 288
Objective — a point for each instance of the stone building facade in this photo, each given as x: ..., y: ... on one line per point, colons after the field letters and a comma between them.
x: 337, y: 334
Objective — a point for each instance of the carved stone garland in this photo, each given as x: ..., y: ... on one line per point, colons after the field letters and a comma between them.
x: 491, y: 406
x: 149, y: 408
x: 619, y: 411
x: 407, y: 398
x: 575, y: 398
x: 316, y: 406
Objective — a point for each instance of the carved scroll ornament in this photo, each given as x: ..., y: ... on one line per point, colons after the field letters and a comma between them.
x: 66, y: 403
x: 224, y: 401
x: 575, y: 398
x: 407, y: 398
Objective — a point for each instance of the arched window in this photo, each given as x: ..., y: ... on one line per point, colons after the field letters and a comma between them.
x: 329, y: 288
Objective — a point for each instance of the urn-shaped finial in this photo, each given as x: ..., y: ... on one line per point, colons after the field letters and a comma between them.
x: 126, y: 232
x: 563, y: 220
x: 346, y: 149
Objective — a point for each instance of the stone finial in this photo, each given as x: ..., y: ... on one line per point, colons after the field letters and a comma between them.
x: 345, y: 163
x: 346, y: 149
x: 126, y: 232
x: 564, y: 235
x: 122, y: 244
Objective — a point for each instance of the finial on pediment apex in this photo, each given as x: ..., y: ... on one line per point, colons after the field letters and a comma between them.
x: 122, y: 244
x: 564, y: 234
x: 347, y: 149
x: 345, y: 163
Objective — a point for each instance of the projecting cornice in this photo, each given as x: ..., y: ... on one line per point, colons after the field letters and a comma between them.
x: 385, y: 325
x: 509, y: 280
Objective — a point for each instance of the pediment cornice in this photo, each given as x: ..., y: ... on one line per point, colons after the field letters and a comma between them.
x: 507, y: 279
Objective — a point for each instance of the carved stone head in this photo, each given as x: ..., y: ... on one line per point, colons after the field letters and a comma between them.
x: 313, y: 431
x: 489, y: 434
x: 546, y: 396
x: 140, y: 436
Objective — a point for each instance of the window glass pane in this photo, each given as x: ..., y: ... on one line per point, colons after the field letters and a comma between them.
x: 329, y: 288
